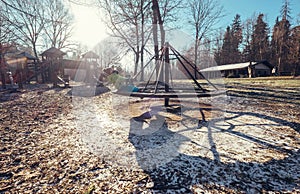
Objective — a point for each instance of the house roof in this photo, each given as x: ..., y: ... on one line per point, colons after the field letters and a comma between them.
x: 90, y: 55
x: 234, y: 66
x: 25, y: 54
x: 53, y: 52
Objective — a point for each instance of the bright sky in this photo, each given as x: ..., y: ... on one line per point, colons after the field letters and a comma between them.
x: 90, y: 30
x: 246, y: 8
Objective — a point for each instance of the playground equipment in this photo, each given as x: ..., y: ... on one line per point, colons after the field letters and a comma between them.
x: 65, y: 80
x: 18, y: 70
x: 52, y: 58
x: 52, y: 68
x: 163, y: 86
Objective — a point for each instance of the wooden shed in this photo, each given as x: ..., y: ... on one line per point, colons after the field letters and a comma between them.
x: 90, y: 55
x: 52, y: 53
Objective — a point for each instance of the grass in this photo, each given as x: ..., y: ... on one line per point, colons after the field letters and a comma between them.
x: 282, y: 81
x: 281, y: 89
x: 272, y: 82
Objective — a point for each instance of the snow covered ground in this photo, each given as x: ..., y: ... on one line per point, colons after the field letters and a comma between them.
x: 70, y: 141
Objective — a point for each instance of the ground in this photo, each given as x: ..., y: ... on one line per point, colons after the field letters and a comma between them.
x: 87, y: 140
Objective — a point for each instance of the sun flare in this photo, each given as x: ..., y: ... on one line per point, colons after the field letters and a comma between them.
x: 89, y: 29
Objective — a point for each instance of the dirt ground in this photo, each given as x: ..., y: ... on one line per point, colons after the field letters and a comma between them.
x: 90, y: 140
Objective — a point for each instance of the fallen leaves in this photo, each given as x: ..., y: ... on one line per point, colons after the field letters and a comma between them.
x: 43, y: 150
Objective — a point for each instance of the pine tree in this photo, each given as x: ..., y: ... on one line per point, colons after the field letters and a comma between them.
x: 294, y: 51
x: 260, y: 40
x: 237, y: 37
x: 233, y: 37
x: 285, y: 10
x: 274, y: 44
x: 280, y: 42
x: 226, y: 54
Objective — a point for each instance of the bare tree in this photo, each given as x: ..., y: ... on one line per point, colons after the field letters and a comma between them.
x: 204, y: 14
x: 7, y: 39
x: 131, y: 22
x: 218, y: 46
x: 6, y: 30
x: 109, y: 52
x: 58, y: 28
x: 162, y: 12
x: 127, y: 21
x: 248, y: 28
x: 27, y: 18
x: 157, y: 21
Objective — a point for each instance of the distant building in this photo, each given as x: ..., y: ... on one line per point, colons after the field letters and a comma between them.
x: 247, y: 69
x: 90, y: 56
x: 52, y: 53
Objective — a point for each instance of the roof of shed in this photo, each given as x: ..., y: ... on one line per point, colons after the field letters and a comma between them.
x: 53, y: 52
x: 234, y: 66
x: 27, y: 55
x: 90, y: 55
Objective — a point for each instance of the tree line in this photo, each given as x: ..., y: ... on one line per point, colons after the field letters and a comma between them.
x: 143, y: 24
x: 30, y: 25
x: 255, y: 41
x: 135, y: 22
x: 35, y: 23
x: 139, y: 25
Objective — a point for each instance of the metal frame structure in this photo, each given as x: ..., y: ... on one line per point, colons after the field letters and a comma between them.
x: 161, y: 88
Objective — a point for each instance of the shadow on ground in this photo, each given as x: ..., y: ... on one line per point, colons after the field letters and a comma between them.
x: 88, y: 90
x: 13, y: 94
x: 184, y: 173
x: 277, y: 95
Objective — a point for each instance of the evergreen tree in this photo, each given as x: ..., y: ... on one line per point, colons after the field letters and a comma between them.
x: 294, y: 51
x: 260, y: 40
x: 233, y: 37
x: 226, y: 54
x: 274, y: 43
x: 280, y: 45
x: 236, y: 38
x: 285, y: 10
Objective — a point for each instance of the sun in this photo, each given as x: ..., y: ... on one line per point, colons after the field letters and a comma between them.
x: 89, y: 28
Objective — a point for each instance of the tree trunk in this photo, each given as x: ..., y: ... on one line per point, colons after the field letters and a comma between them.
x: 2, y: 72
x: 279, y: 65
x: 136, y: 62
x: 143, y: 42
x: 35, y: 71
x: 161, y: 25
x: 137, y: 53
x: 155, y: 10
x: 196, y: 53
x: 157, y: 20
